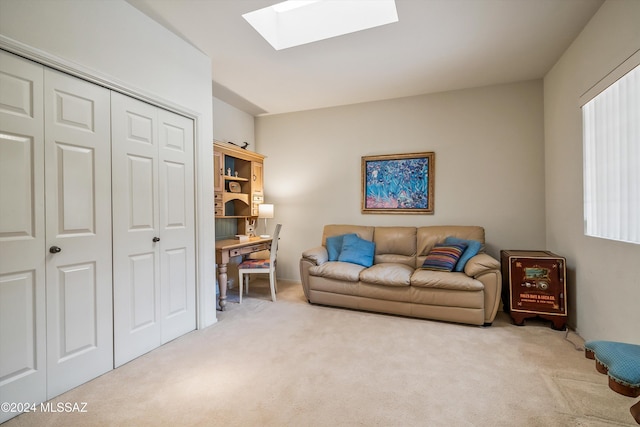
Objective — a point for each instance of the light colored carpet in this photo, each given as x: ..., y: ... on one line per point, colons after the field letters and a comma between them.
x: 290, y: 363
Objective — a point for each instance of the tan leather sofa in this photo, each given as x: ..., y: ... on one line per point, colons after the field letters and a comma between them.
x: 396, y: 283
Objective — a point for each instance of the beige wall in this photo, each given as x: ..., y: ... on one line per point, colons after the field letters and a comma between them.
x: 604, y: 285
x: 232, y: 124
x: 489, y: 164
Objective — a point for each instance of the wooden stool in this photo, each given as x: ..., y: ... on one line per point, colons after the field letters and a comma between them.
x: 622, y: 363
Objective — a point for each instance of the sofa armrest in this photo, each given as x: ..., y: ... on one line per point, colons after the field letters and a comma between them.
x: 311, y: 258
x: 316, y: 256
x: 480, y: 264
x: 485, y: 268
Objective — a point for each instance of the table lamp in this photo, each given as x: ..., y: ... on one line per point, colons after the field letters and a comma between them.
x: 265, y: 211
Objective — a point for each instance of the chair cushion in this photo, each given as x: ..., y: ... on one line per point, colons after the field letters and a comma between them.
x: 255, y: 263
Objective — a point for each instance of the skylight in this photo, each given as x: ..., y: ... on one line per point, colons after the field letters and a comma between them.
x: 297, y: 22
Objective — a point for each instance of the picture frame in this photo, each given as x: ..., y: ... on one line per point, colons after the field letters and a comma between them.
x: 398, y: 183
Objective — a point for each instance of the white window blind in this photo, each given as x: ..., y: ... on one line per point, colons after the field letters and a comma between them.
x: 611, y: 133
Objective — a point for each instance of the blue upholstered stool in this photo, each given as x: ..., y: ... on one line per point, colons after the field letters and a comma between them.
x: 621, y: 362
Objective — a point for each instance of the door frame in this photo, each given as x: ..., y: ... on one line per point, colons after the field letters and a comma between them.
x: 203, y: 319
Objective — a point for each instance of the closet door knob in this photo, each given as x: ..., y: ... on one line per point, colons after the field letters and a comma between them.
x: 156, y: 239
x: 54, y: 249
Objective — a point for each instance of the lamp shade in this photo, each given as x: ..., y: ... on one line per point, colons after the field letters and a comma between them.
x: 265, y: 210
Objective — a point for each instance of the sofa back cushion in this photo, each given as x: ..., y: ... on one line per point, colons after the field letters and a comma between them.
x: 427, y: 237
x: 363, y: 231
x: 395, y: 245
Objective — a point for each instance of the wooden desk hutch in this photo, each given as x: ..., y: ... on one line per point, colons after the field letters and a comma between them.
x: 238, y: 191
x: 237, y: 184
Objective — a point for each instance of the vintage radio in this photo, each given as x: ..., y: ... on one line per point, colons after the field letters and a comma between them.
x: 534, y: 284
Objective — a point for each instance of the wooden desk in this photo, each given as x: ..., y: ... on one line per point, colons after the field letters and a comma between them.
x: 229, y: 248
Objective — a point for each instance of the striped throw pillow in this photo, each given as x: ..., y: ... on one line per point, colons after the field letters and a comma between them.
x: 443, y: 257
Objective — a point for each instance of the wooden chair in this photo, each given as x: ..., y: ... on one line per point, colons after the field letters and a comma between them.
x: 261, y: 266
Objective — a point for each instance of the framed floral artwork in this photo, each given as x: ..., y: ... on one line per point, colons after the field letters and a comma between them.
x: 398, y: 183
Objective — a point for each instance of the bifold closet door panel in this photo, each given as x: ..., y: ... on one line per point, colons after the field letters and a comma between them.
x: 73, y: 158
x: 177, y: 222
x: 136, y: 230
x: 78, y: 231
x: 22, y: 233
x: 153, y: 227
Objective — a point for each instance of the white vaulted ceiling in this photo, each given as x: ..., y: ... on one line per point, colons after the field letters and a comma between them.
x: 437, y: 45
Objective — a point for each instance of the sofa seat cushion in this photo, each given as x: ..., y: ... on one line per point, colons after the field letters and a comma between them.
x: 447, y: 298
x: 388, y: 274
x: 338, y: 270
x: 445, y: 280
x: 333, y: 286
x: 385, y: 293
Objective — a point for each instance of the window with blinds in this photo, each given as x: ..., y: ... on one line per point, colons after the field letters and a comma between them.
x: 611, y: 137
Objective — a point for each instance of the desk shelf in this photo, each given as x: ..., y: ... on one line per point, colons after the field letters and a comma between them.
x: 229, y: 161
x: 235, y: 178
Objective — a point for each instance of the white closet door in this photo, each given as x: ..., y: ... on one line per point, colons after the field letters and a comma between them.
x: 78, y: 222
x: 22, y: 234
x: 177, y: 222
x: 136, y: 267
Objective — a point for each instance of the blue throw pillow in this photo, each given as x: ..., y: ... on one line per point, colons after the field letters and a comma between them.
x: 473, y: 247
x: 443, y: 257
x: 357, y: 251
x: 334, y: 246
